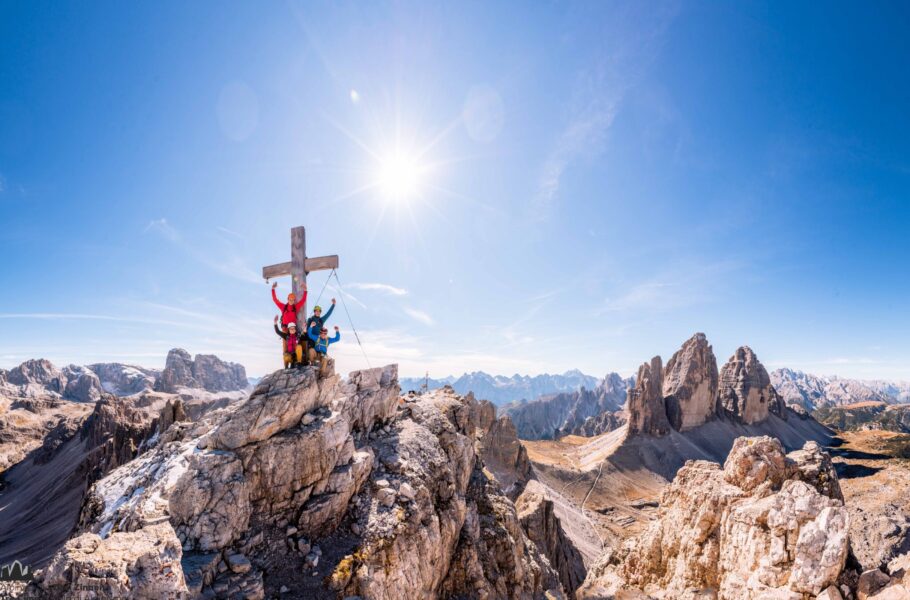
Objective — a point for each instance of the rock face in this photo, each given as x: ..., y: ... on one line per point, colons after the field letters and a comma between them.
x: 535, y: 511
x: 207, y: 372
x: 690, y: 384
x: 112, y: 433
x: 745, y: 393
x: 752, y: 529
x: 560, y: 414
x: 141, y: 564
x: 504, y: 455
x: 82, y: 384
x: 38, y: 372
x: 392, y: 495
x: 125, y: 380
x: 813, y: 392
x: 647, y: 413
x: 596, y: 425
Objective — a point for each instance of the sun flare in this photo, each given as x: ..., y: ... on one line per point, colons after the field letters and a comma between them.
x: 399, y: 177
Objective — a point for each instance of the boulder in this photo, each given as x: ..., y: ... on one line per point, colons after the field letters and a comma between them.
x: 277, y: 403
x: 138, y: 564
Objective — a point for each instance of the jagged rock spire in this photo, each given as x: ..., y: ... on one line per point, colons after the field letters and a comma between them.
x: 745, y: 392
x: 647, y: 412
x: 690, y: 384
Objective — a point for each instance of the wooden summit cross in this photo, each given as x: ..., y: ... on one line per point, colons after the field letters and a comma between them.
x: 299, y: 266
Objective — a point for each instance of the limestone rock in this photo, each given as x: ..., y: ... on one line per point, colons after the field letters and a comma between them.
x: 554, y: 415
x: 370, y: 395
x: 535, y: 511
x: 125, y: 380
x: 505, y: 457
x: 40, y: 372
x: 207, y: 372
x: 403, y: 485
x: 754, y: 461
x: 745, y: 393
x: 690, y: 384
x: 486, y: 414
x: 751, y: 530
x: 647, y: 413
x: 603, y: 423
x: 878, y: 537
x: 813, y: 465
x: 139, y: 564
x: 82, y: 385
x: 277, y: 403
x: 216, y: 375
x: 113, y: 432
x: 177, y: 373
x: 870, y: 583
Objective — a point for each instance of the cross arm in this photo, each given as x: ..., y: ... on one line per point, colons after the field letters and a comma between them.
x: 320, y: 263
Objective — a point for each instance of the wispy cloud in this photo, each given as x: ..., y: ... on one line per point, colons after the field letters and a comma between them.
x: 419, y: 316
x: 686, y: 284
x: 229, y: 232
x: 347, y: 295
x: 596, y: 96
x: 163, y: 228
x: 379, y: 287
x: 225, y: 260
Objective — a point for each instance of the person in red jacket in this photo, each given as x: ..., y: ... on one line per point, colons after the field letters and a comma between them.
x: 289, y: 310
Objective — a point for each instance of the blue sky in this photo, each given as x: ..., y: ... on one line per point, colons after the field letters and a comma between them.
x: 596, y: 181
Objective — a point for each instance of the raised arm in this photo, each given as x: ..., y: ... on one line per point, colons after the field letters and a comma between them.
x: 336, y: 338
x: 314, y: 337
x: 302, y: 301
x: 278, y: 331
x: 328, y: 313
x: 276, y: 300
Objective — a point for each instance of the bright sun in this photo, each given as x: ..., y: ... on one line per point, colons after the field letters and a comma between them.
x: 399, y: 177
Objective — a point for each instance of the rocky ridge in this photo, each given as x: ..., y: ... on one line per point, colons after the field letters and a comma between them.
x: 765, y: 525
x: 555, y: 415
x: 813, y: 392
x: 323, y: 486
x: 501, y: 390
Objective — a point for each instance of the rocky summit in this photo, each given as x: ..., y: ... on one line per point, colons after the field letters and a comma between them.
x: 318, y: 487
x: 765, y: 525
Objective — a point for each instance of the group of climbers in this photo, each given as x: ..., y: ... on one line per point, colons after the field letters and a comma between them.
x: 301, y: 348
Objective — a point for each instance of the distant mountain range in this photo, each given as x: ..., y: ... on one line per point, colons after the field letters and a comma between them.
x: 501, y: 390
x: 813, y: 392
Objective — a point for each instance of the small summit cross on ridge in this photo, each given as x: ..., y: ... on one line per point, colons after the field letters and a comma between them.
x: 298, y: 268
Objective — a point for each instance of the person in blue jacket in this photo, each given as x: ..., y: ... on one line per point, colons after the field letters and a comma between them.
x: 320, y: 346
x: 318, y: 321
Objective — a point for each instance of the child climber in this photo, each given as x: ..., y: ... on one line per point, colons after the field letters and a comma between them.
x: 320, y: 346
x: 292, y: 345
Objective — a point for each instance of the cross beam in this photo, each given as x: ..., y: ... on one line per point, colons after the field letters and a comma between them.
x: 298, y: 268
